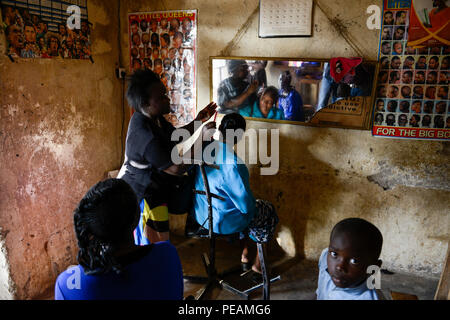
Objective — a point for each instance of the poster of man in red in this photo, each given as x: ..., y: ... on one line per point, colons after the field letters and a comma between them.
x: 429, y: 23
x: 412, y: 97
x: 165, y: 42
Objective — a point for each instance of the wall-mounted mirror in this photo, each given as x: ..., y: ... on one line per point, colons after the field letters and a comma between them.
x: 317, y: 92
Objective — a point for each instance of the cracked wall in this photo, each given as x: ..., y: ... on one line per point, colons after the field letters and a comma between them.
x: 60, y: 133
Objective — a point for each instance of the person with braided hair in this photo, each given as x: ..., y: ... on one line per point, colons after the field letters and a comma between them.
x: 111, y: 266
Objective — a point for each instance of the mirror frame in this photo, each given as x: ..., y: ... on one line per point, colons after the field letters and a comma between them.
x: 320, y: 119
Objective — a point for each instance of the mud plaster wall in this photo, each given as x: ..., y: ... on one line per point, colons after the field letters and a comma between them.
x: 60, y: 132
x: 329, y: 174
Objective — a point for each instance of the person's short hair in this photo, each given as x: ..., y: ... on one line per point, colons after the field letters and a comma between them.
x: 232, y: 121
x: 233, y: 65
x: 138, y: 92
x: 104, y: 219
x: 271, y: 91
x: 362, y: 231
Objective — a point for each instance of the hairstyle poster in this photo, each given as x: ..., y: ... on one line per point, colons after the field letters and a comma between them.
x: 412, y: 98
x: 165, y: 42
x: 429, y: 23
x: 38, y: 29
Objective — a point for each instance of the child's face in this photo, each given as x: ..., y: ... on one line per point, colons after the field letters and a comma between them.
x: 347, y: 261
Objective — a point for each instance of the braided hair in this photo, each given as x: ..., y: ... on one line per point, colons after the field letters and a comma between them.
x: 105, y: 219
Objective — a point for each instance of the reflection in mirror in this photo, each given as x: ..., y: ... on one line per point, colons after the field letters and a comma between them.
x: 290, y: 90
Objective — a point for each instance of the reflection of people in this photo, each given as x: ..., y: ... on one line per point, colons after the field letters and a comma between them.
x: 264, y: 107
x: 355, y: 244
x: 290, y: 101
x: 235, y: 92
x: 148, y: 166
x: 239, y: 211
x: 111, y: 266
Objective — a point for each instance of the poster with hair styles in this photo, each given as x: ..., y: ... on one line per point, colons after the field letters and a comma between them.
x: 412, y: 96
x: 165, y: 42
x: 39, y: 29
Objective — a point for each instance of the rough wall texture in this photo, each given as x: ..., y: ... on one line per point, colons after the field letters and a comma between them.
x: 60, y: 132
x: 330, y: 174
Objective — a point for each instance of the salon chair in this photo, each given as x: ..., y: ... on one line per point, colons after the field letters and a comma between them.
x: 213, y: 277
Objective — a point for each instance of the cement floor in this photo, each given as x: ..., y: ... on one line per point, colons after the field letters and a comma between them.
x: 298, y: 277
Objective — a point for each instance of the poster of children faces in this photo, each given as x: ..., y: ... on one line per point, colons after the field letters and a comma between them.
x: 412, y: 98
x: 38, y: 29
x: 165, y: 42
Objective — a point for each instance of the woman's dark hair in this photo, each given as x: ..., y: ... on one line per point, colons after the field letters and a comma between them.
x: 232, y: 121
x: 104, y: 219
x: 271, y: 91
x: 138, y: 92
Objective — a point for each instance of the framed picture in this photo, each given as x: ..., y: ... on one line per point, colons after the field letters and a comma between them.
x: 285, y: 18
x: 412, y: 99
x: 296, y: 91
x: 38, y: 29
x: 165, y: 42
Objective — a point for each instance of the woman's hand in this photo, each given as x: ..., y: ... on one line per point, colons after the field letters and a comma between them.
x: 207, y: 132
x: 207, y: 112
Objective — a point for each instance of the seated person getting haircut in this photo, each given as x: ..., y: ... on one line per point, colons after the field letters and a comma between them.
x: 355, y: 244
x: 111, y: 266
x: 235, y: 92
x: 239, y: 212
x: 265, y: 106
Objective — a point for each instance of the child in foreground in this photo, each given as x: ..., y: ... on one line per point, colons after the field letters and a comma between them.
x: 355, y: 244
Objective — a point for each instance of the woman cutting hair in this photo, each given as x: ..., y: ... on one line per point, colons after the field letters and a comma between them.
x: 148, y: 166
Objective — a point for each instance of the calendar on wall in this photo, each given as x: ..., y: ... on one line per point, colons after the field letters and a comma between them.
x: 285, y: 18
